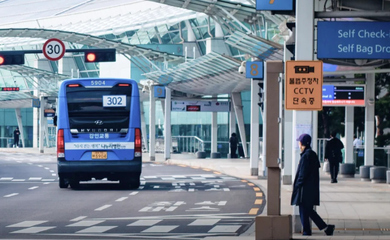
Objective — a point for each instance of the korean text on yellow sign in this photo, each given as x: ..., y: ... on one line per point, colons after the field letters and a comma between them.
x: 303, y: 85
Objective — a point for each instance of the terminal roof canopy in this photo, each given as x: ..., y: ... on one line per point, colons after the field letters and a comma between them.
x: 88, y: 23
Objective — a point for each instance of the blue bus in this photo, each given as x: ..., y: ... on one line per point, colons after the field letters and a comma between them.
x: 99, y: 131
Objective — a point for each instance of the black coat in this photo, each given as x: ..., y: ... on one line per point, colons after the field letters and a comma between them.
x: 306, y: 190
x: 333, y: 150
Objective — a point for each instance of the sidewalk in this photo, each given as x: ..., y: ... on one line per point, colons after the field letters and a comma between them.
x: 360, y: 210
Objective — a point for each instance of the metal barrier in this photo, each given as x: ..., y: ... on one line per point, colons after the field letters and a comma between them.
x: 321, y: 143
x: 181, y: 144
x: 187, y: 144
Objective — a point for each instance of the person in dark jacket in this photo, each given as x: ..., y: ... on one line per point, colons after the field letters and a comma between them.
x: 233, y: 145
x: 333, y: 155
x: 306, y: 188
x: 16, y: 137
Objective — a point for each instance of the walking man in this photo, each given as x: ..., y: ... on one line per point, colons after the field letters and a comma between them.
x: 306, y: 189
x: 333, y: 155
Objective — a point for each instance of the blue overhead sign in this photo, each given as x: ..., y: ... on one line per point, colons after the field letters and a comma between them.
x: 274, y: 5
x: 353, y: 40
x: 159, y: 91
x: 254, y: 70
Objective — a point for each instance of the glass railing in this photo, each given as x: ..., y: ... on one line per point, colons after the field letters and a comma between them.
x: 181, y: 144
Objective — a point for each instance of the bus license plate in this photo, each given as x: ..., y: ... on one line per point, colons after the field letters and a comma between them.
x: 99, y: 155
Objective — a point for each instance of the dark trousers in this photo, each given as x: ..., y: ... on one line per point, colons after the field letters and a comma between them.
x: 16, y: 141
x: 334, y: 169
x: 306, y: 213
x: 233, y: 151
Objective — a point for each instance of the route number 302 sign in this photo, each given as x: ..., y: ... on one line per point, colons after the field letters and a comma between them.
x: 53, y: 49
x: 114, y: 101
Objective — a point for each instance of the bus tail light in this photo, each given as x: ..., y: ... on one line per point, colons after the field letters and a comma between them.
x: 60, y: 144
x: 137, y: 143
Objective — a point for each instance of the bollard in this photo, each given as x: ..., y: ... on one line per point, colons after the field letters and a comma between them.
x: 347, y: 170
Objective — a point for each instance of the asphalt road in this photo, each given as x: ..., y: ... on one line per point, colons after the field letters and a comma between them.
x: 173, y: 202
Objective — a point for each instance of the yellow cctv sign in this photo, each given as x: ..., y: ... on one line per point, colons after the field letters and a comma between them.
x: 303, y: 89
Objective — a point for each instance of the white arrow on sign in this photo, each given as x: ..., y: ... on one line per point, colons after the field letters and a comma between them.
x: 53, y: 49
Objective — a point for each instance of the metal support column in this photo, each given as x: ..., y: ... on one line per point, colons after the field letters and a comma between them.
x: 167, y: 125
x: 232, y: 123
x: 254, y: 138
x: 152, y: 124
x: 41, y: 124
x: 369, y: 128
x: 143, y: 127
x: 349, y: 117
x: 287, y: 132
x: 214, y: 132
x: 237, y: 103
x: 304, y: 50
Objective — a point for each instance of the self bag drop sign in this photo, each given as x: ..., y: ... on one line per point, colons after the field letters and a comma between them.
x: 354, y: 40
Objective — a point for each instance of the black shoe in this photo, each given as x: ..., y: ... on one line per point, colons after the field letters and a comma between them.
x: 329, y: 230
x: 333, y: 181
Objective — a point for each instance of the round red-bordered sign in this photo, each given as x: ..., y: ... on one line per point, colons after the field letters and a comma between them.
x: 54, y: 49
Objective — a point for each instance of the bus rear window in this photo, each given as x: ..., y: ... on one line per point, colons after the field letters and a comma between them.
x: 102, y: 108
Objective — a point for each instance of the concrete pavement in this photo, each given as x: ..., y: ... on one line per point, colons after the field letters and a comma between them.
x: 360, y: 210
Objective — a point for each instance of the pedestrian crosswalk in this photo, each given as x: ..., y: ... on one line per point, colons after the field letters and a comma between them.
x: 233, y: 224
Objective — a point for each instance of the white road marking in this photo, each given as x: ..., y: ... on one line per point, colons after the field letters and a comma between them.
x: 6, y: 178
x: 11, y: 195
x: 33, y: 230
x: 18, y: 180
x: 103, y: 207
x: 144, y: 223
x: 48, y: 180
x: 121, y: 199
x: 96, y: 229
x: 204, y: 222
x: 32, y: 188
x: 225, y: 229
x: 179, y: 176
x: 167, y: 179
x: 27, y: 224
x: 53, y: 174
x: 78, y: 218
x: 46, y: 183
x: 85, y: 223
x: 35, y: 179
x: 133, y: 193
x: 51, y: 170
x: 47, y: 168
x: 160, y: 229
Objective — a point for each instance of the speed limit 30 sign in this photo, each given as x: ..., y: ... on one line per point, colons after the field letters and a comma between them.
x: 53, y: 49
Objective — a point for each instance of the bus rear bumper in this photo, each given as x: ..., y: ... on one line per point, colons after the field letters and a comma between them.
x: 71, y: 167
